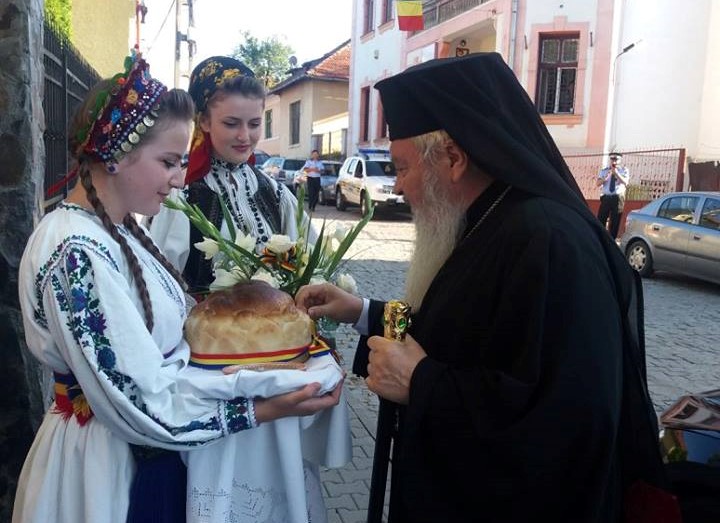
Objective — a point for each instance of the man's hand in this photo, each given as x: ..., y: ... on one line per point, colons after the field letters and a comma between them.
x: 391, y: 365
x: 303, y: 402
x: 327, y: 300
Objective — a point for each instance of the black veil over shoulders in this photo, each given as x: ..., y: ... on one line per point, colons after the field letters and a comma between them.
x: 479, y: 102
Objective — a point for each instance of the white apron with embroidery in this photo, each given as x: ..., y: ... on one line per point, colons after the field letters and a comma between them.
x: 269, y: 474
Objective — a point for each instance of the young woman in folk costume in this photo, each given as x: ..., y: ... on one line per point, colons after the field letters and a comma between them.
x: 105, y: 310
x: 229, y: 101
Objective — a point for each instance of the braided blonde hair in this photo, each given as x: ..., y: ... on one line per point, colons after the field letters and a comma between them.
x: 175, y: 105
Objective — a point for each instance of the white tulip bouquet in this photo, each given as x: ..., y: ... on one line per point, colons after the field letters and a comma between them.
x: 283, y: 263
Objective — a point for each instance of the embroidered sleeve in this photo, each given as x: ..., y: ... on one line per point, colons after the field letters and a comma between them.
x: 170, y: 230
x: 93, y: 313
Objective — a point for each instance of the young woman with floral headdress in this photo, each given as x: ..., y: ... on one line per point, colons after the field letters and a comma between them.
x: 229, y: 101
x: 104, y: 309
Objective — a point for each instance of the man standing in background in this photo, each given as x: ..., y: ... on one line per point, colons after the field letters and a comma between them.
x: 614, y: 180
x: 313, y: 169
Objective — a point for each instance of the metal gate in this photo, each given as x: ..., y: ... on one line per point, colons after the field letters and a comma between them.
x: 653, y: 172
x: 67, y: 78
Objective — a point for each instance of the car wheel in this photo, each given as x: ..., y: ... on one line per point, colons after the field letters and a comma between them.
x: 340, y: 201
x: 363, y: 205
x: 639, y: 257
x: 321, y: 198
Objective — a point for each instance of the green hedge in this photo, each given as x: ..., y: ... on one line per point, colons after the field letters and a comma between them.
x: 637, y: 192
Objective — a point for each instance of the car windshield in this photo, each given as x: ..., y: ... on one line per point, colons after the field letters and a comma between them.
x: 331, y: 169
x: 293, y: 165
x: 375, y: 168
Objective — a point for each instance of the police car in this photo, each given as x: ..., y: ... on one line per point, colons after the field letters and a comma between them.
x: 370, y: 171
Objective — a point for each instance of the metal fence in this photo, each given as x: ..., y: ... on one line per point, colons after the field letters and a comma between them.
x: 438, y: 11
x: 67, y: 78
x: 653, y: 172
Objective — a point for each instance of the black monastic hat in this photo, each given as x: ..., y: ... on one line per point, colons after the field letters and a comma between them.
x: 479, y: 102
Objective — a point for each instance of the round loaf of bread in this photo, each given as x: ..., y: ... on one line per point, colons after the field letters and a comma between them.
x: 250, y: 322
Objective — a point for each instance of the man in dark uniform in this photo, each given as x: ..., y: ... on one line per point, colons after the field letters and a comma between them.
x: 513, y: 407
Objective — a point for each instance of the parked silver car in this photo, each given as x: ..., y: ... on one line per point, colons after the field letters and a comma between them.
x: 679, y: 233
x: 282, y: 169
x: 328, y: 180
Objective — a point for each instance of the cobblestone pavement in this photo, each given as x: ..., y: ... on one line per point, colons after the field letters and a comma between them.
x: 682, y: 323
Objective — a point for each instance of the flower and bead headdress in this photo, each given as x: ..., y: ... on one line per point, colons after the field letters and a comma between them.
x: 122, y: 114
x: 205, y: 79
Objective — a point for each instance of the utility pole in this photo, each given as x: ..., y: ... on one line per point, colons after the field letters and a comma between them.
x: 181, y: 37
x: 189, y: 37
x: 178, y: 39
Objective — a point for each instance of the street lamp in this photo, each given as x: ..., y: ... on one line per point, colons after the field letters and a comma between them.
x: 610, y: 120
x: 624, y: 50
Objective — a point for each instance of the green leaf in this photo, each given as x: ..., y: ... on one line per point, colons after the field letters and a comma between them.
x: 350, y: 238
x: 228, y: 220
x: 300, y: 207
x: 311, y: 265
x: 249, y: 256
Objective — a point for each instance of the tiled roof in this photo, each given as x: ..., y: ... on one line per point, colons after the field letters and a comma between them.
x: 333, y: 66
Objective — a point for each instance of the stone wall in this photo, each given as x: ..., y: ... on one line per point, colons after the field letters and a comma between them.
x: 21, y: 180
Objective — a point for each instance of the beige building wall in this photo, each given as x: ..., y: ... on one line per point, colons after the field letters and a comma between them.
x: 329, y: 99
x: 102, y: 32
x: 271, y: 144
x: 279, y: 143
x: 334, y: 134
x: 302, y: 91
x: 318, y: 101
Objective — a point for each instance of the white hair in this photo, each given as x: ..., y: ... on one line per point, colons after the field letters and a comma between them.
x: 439, y: 222
x: 429, y: 145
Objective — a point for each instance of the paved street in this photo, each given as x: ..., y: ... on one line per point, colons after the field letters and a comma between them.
x: 682, y: 321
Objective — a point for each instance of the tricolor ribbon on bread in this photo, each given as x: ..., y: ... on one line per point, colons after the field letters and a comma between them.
x: 316, y: 349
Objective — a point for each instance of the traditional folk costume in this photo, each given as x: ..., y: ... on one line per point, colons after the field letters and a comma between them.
x: 270, y: 474
x: 122, y: 393
x: 532, y: 402
x: 116, y: 383
x: 258, y: 205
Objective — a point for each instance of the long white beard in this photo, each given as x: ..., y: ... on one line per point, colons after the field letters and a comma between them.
x: 438, y: 225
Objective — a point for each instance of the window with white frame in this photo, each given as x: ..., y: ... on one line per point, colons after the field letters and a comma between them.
x: 387, y: 12
x: 365, y: 114
x: 268, y: 123
x: 557, y: 74
x: 369, y: 21
x: 295, y: 123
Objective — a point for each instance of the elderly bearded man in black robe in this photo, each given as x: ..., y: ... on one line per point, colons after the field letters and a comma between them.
x: 522, y: 380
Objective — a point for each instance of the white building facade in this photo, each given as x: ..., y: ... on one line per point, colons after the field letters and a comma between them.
x: 606, y: 75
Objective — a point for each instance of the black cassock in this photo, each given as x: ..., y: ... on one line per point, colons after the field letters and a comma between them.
x: 518, y: 412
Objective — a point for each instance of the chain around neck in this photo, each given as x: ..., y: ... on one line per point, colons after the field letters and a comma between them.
x: 487, y: 212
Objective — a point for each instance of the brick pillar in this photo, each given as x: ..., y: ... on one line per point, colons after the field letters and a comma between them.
x: 22, y: 159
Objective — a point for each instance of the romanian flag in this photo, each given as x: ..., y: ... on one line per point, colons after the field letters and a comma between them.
x: 410, y: 15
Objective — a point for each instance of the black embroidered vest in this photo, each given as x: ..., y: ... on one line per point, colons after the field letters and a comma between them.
x: 198, y: 271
